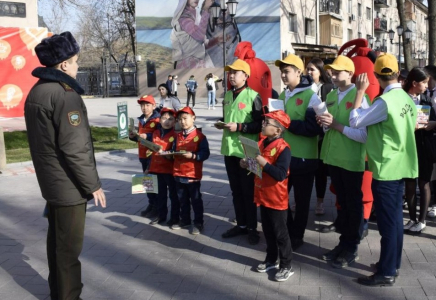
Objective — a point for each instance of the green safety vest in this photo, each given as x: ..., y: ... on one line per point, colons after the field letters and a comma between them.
x: 337, y: 149
x: 238, y: 111
x: 295, y: 107
x: 391, y: 144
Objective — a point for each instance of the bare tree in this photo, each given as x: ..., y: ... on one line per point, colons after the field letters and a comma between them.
x: 407, y: 46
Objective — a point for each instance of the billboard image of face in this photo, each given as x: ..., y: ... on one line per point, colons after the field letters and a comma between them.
x: 182, y: 34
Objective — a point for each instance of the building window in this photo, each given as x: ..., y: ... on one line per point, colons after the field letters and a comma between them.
x: 368, y: 13
x: 350, y: 7
x: 359, y: 10
x: 293, y: 22
x: 350, y: 34
x: 336, y: 30
x: 367, y: 37
x: 308, y: 27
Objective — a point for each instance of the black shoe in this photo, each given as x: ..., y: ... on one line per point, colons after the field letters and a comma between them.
x: 364, y: 234
x: 345, y: 259
x: 296, y: 243
x: 157, y: 220
x: 180, y: 225
x: 235, y: 231
x: 196, y: 229
x: 172, y: 222
x: 253, y: 237
x: 147, y: 210
x: 332, y: 254
x: 376, y: 280
x: 328, y: 228
x: 375, y: 266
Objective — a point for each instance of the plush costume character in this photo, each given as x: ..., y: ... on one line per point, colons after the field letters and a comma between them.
x: 260, y: 77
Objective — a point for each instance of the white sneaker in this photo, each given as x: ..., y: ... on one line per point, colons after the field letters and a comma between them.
x: 319, y: 210
x: 409, y: 225
x: 432, y: 212
x: 213, y: 107
x: 208, y: 108
x: 418, y: 227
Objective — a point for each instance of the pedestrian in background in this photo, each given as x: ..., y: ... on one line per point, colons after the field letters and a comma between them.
x: 62, y: 151
x: 191, y: 88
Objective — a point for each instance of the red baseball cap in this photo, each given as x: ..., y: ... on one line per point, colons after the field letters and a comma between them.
x: 147, y: 99
x: 280, y: 116
x: 167, y: 110
x: 187, y: 110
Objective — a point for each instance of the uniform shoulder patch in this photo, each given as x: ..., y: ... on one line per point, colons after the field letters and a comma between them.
x: 74, y: 118
x: 66, y: 87
x: 196, y: 139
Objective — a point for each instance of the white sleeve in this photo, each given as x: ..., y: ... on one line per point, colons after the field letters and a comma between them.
x: 314, y: 100
x: 376, y: 113
x: 356, y: 134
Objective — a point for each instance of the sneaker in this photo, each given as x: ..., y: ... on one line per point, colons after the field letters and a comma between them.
x: 408, y: 225
x: 180, y: 225
x: 157, y: 220
x: 208, y: 108
x: 319, y: 210
x: 418, y: 227
x: 345, y: 259
x: 253, y: 237
x: 266, y: 266
x: 332, y: 254
x: 171, y: 222
x: 235, y: 231
x: 196, y: 229
x: 213, y: 108
x: 283, y: 274
x: 432, y: 212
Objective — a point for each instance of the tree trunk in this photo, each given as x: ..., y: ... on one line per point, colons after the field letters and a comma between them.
x: 407, y: 46
x: 431, y: 32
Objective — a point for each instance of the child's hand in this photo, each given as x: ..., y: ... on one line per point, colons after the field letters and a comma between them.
x: 146, y: 172
x: 232, y: 126
x: 261, y: 161
x: 243, y: 163
x: 143, y: 135
x: 187, y: 155
x: 362, y: 82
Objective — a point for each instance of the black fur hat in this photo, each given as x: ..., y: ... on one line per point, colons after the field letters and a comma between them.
x: 56, y: 49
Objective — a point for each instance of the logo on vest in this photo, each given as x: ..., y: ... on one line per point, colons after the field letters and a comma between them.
x: 196, y: 139
x: 171, y: 139
x: 298, y: 101
x: 407, y: 108
x: 273, y: 151
x: 348, y: 105
x: 241, y: 105
x: 152, y: 125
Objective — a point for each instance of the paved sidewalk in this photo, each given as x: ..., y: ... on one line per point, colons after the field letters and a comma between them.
x: 125, y: 258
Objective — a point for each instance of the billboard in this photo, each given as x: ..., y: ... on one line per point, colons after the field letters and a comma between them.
x: 17, y: 60
x: 181, y: 34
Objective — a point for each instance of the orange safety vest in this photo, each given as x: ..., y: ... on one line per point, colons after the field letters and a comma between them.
x: 186, y: 167
x: 148, y: 127
x: 269, y: 192
x: 159, y: 163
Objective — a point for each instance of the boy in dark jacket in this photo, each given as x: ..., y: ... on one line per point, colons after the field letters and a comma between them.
x: 271, y: 194
x: 147, y: 123
x: 188, y: 170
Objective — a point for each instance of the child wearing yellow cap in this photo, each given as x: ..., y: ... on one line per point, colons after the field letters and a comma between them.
x: 392, y: 156
x: 343, y: 151
x: 302, y: 136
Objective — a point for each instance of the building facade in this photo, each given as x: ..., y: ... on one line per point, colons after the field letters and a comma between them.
x: 19, y: 13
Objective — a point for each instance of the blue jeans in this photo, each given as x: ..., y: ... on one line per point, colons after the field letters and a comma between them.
x: 211, y: 98
x: 388, y: 202
x: 166, y: 183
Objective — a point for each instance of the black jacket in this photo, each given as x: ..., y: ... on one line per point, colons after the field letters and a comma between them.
x: 60, y: 139
x: 422, y: 133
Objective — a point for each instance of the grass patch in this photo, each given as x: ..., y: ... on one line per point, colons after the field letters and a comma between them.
x: 143, y: 23
x: 105, y: 139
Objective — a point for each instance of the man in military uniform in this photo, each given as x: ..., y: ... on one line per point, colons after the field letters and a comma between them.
x: 63, y: 156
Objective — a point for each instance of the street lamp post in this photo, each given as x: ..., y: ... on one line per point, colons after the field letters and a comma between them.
x: 391, y: 37
x: 231, y: 6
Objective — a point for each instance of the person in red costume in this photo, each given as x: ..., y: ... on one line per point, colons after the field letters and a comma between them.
x: 363, y: 58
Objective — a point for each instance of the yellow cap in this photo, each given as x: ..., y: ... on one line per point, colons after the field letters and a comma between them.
x: 292, y: 60
x: 341, y: 63
x: 239, y: 65
x: 386, y: 61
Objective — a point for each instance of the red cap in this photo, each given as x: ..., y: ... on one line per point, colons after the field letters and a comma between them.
x: 168, y: 110
x: 146, y: 99
x: 280, y: 116
x: 187, y: 110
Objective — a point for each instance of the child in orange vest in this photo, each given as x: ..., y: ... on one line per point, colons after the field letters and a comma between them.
x: 147, y: 123
x: 162, y: 166
x: 188, y: 170
x: 271, y: 194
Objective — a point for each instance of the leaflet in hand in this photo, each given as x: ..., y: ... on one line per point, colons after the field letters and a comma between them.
x: 251, y: 150
x: 172, y: 152
x: 219, y: 124
x: 423, y: 115
x: 132, y: 126
x: 320, y: 109
x: 275, y: 104
x: 152, y: 146
x: 144, y: 183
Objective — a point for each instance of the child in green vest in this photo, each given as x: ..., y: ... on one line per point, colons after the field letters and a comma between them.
x: 302, y: 137
x: 343, y: 151
x: 391, y: 149
x: 243, y: 117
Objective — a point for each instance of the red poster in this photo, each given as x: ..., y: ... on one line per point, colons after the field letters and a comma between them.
x: 17, y: 61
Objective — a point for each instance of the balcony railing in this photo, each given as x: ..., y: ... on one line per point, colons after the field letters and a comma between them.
x: 329, y: 6
x: 381, y: 3
x: 380, y: 24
